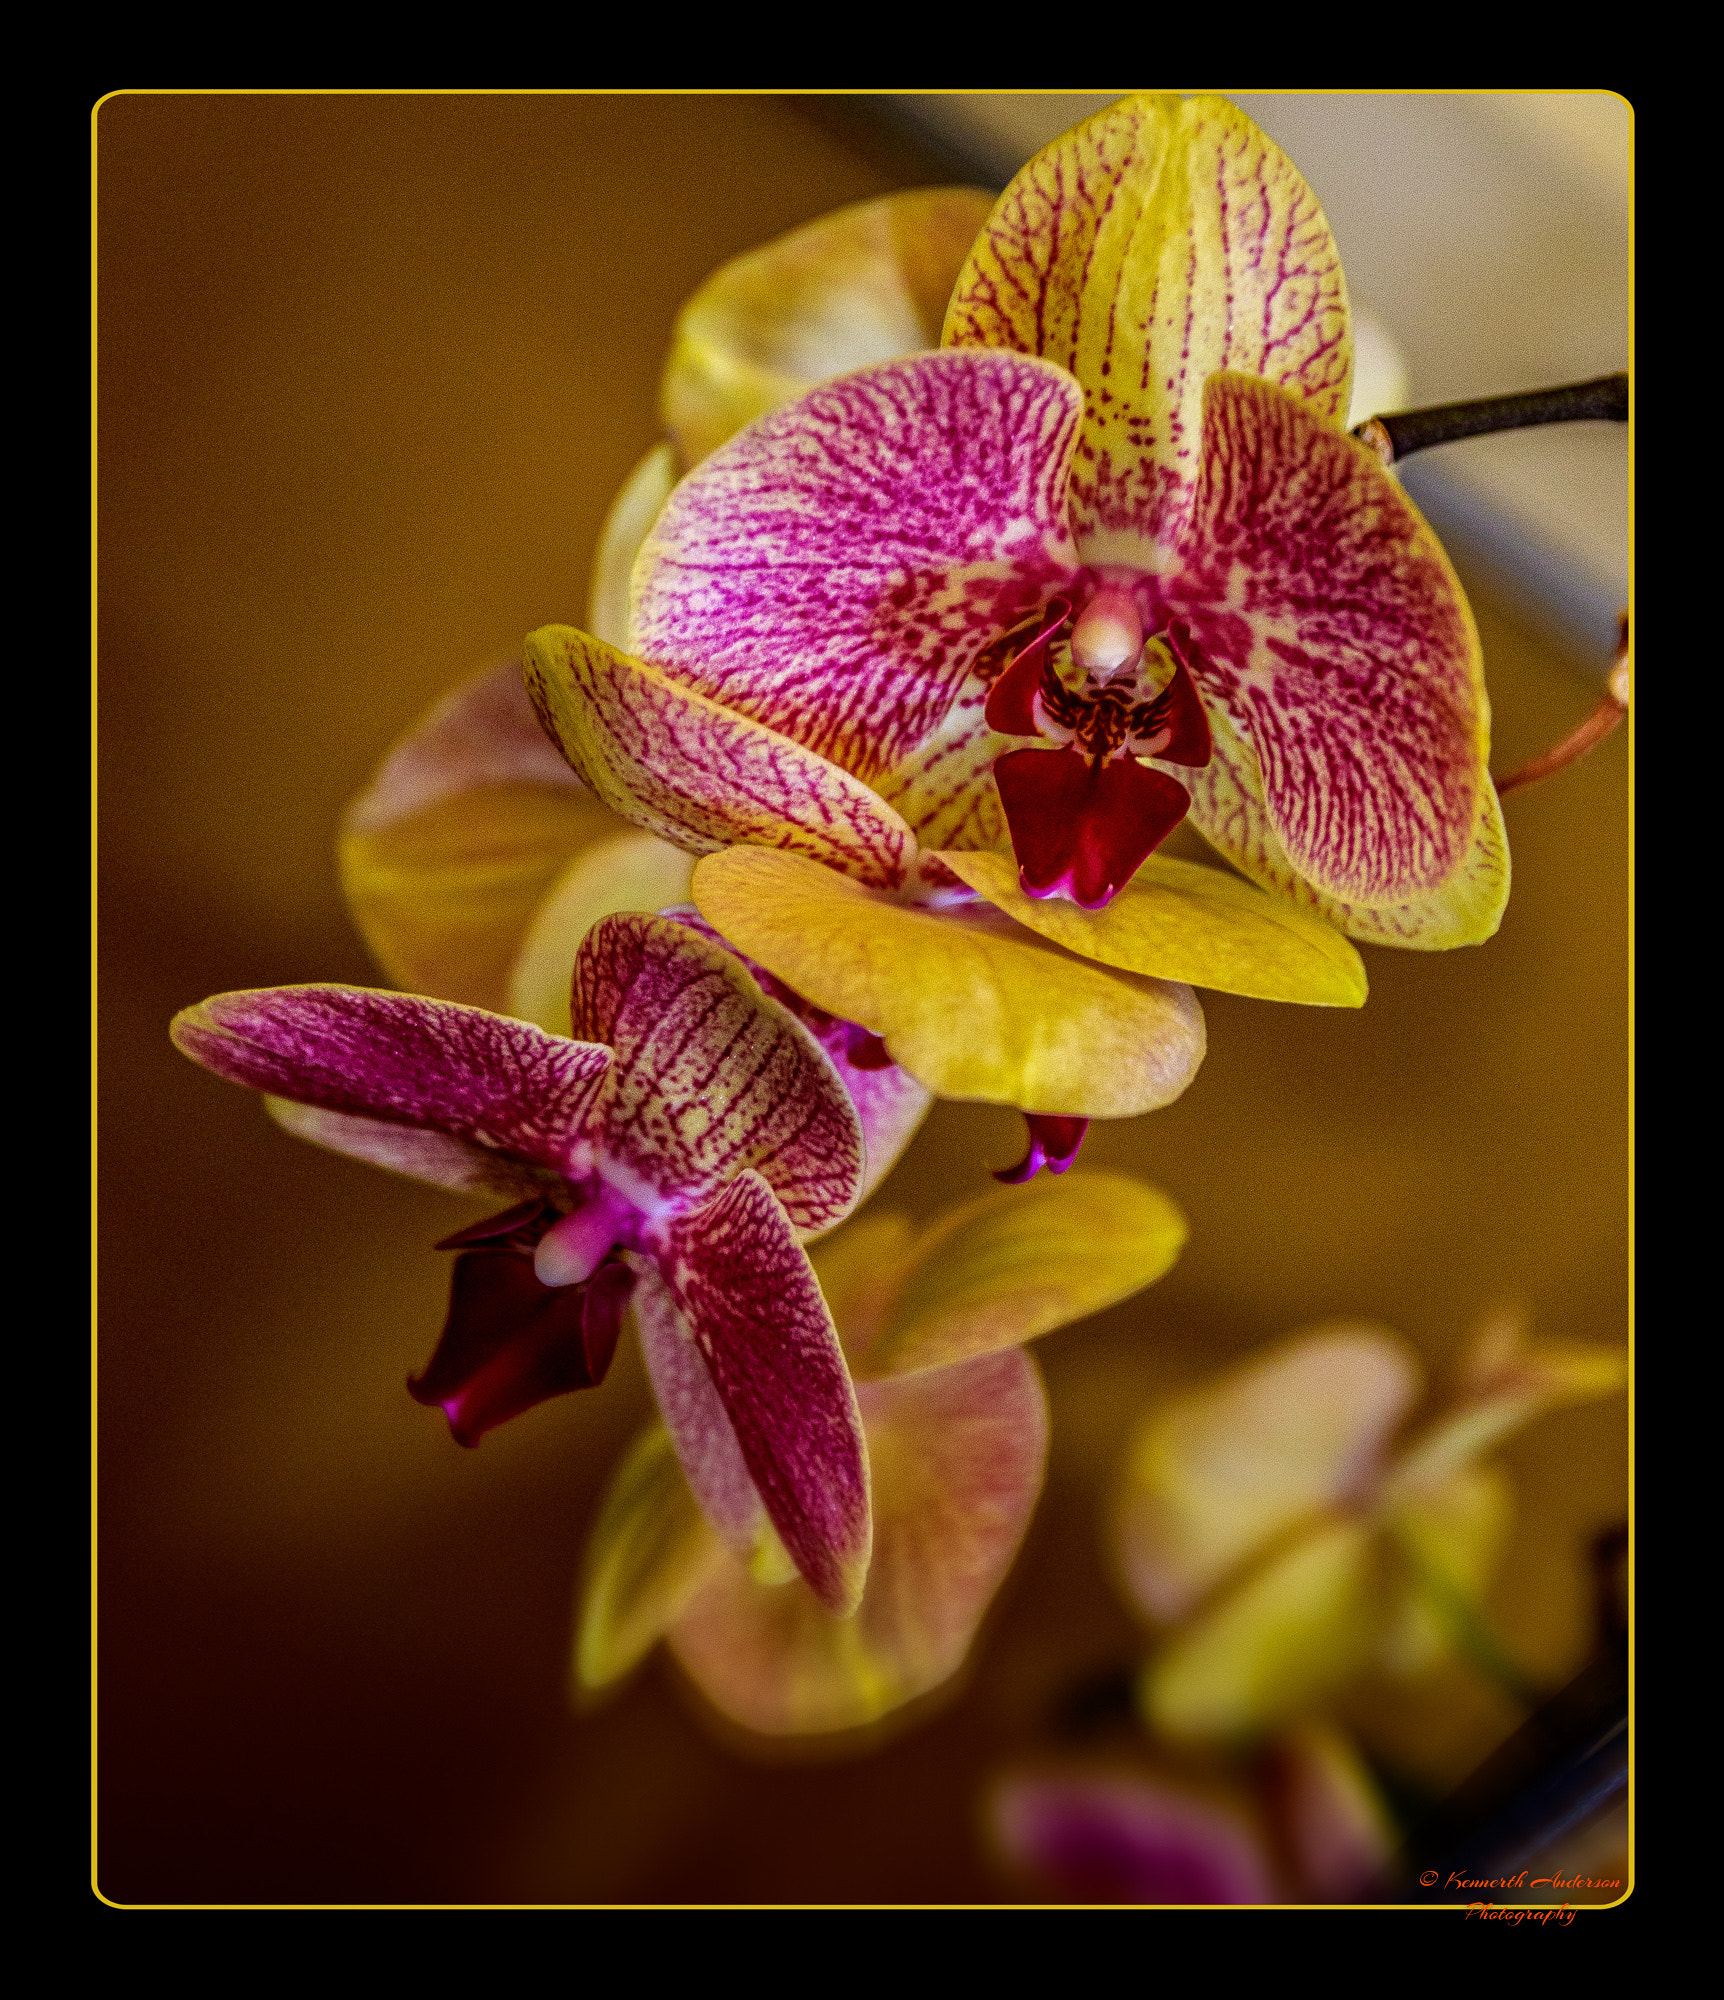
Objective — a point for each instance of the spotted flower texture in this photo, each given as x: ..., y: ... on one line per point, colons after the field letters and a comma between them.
x: 926, y: 662
x: 934, y: 1324
x: 670, y: 1154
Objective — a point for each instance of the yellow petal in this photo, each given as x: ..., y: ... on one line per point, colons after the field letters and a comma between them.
x: 1177, y: 920
x: 445, y: 895
x: 1157, y: 242
x: 971, y: 1004
x: 1451, y: 1536
x: 1297, y: 1629
x: 1020, y: 1261
x: 634, y: 510
x: 1227, y: 809
x: 957, y: 1458
x: 700, y: 775
x: 647, y: 1555
x: 630, y: 871
x: 858, y: 1269
x: 1214, y: 1476
x: 865, y: 284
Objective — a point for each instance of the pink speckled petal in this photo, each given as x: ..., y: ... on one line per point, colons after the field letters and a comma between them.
x: 699, y: 774
x: 1127, y: 1840
x: 413, y: 1150
x: 711, y: 1077
x: 957, y: 1457
x: 745, y: 1290
x: 473, y: 1075
x: 1157, y: 242
x: 836, y: 569
x: 944, y: 788
x: 1328, y: 625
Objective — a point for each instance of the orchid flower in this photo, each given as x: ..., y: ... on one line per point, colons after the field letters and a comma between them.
x: 474, y: 862
x: 1315, y: 1829
x: 906, y: 658
x: 674, y: 1151
x: 1272, y: 1521
x: 933, y: 1323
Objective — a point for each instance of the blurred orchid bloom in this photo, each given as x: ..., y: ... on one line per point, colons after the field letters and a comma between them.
x: 933, y: 1324
x: 1316, y: 1830
x: 674, y: 1152
x: 474, y: 862
x: 1271, y: 1520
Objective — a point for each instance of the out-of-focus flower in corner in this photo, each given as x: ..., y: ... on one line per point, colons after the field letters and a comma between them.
x: 1273, y: 1521
x: 675, y: 1152
x: 1313, y: 1827
x: 933, y: 1323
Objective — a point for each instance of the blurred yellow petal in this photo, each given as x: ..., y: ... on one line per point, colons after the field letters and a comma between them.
x: 700, y: 775
x: 1178, y: 920
x: 865, y: 284
x: 1155, y: 243
x: 1227, y: 808
x: 1020, y: 1261
x: 445, y: 896
x: 970, y: 1003
x: 1296, y: 1629
x: 629, y: 871
x: 647, y: 1556
x: 957, y: 1458
x: 1332, y: 1816
x: 634, y: 510
x: 1450, y: 1537
x: 1214, y: 1476
x: 858, y: 1269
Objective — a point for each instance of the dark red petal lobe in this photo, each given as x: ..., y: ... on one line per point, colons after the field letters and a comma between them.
x: 1190, y: 742
x: 510, y: 1342
x: 1011, y: 707
x: 1080, y: 829
x: 1053, y: 1143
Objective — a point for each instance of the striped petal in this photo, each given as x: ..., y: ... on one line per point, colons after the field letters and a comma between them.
x: 745, y: 1291
x: 710, y: 1077
x: 448, y: 852
x: 1329, y: 629
x: 1157, y: 242
x: 1177, y: 920
x: 701, y: 775
x: 392, y: 1056
x: 862, y: 285
x: 414, y: 1150
x: 836, y: 569
x: 971, y: 1004
x: 1215, y: 1476
x: 957, y: 1457
x: 1013, y: 1264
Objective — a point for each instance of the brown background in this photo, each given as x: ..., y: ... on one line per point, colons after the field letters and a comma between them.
x: 371, y: 369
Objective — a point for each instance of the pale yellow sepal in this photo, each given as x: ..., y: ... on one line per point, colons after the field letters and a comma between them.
x: 865, y: 284
x: 971, y: 1004
x: 1179, y: 920
x: 629, y: 871
x: 1450, y: 1538
x: 444, y: 895
x: 1020, y: 1261
x: 1301, y: 1625
x: 859, y: 1270
x: 648, y: 1554
x: 637, y: 506
x: 1215, y: 1476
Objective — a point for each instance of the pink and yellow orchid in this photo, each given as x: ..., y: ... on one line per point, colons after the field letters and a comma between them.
x: 933, y: 1324
x: 676, y: 1149
x: 1273, y: 1523
x: 1117, y: 513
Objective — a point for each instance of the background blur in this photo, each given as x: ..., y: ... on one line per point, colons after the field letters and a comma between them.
x: 371, y: 370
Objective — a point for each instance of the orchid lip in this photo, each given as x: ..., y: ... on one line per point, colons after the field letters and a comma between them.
x: 1053, y: 1143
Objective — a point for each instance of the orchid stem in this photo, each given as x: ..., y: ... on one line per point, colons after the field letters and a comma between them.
x: 1394, y: 437
x: 1612, y: 707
